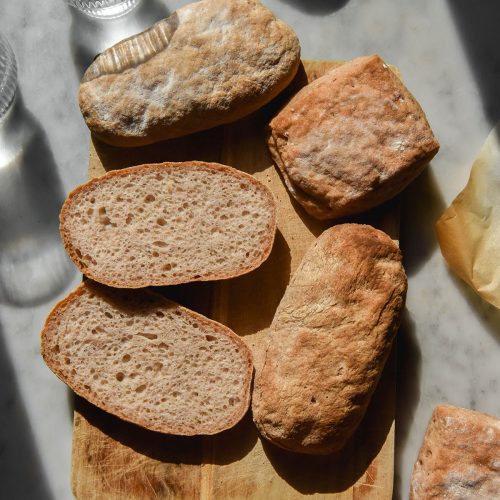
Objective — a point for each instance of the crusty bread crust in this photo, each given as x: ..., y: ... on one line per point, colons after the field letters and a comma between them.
x: 329, y: 340
x: 211, y: 62
x: 99, y: 275
x: 459, y: 457
x: 50, y: 350
x: 351, y: 139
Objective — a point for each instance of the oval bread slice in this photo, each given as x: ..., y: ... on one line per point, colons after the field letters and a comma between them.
x: 168, y: 223
x: 148, y: 360
x: 329, y: 341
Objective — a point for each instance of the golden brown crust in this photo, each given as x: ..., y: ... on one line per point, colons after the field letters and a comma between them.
x: 210, y: 63
x: 351, y: 139
x: 160, y: 281
x: 51, y: 328
x: 459, y: 457
x: 330, y: 339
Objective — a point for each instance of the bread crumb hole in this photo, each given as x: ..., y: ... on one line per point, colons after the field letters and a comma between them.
x: 90, y: 211
x: 150, y: 336
x: 129, y: 218
x: 105, y: 221
x: 210, y: 338
x: 126, y: 358
x: 167, y: 267
x: 161, y: 221
x: 56, y: 348
x: 156, y: 254
x: 140, y: 388
x: 159, y: 244
x: 149, y: 198
x: 231, y: 401
x: 313, y: 400
x: 120, y: 376
x: 108, y: 314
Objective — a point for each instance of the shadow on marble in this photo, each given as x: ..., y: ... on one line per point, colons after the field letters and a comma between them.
x: 316, y: 7
x: 421, y: 206
x: 488, y: 315
x: 20, y: 466
x: 90, y: 36
x: 408, y: 392
x: 33, y: 264
x: 477, y: 24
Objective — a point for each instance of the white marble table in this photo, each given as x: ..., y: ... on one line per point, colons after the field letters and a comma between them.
x: 448, y: 54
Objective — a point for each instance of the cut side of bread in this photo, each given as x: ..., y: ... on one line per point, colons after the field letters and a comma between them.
x: 148, y: 360
x: 168, y: 223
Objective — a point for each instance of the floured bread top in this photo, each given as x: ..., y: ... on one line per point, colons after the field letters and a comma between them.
x: 351, y: 139
x: 329, y: 340
x: 209, y: 63
x: 459, y: 458
x: 168, y: 223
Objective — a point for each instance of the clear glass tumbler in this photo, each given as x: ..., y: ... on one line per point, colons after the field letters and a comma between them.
x: 104, y: 9
x: 8, y: 76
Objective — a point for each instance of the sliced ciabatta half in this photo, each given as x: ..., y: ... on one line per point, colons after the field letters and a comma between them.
x: 168, y: 223
x: 148, y: 360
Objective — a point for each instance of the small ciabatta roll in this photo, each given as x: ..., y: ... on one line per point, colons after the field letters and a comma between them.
x: 459, y: 458
x: 329, y: 340
x: 168, y: 223
x: 148, y: 360
x: 351, y: 139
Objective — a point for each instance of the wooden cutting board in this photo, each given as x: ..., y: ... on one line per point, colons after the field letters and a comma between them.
x: 113, y: 459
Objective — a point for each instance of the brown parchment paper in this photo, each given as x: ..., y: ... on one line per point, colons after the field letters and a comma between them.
x: 469, y: 230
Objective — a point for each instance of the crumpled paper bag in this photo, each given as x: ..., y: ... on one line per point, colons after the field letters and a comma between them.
x: 469, y: 230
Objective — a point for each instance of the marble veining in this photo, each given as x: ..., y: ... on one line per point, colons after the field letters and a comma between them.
x: 449, y: 343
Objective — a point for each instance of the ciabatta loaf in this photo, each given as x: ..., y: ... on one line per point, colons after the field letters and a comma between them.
x: 168, y: 223
x: 148, y: 360
x: 459, y: 458
x: 329, y: 340
x: 351, y: 139
x: 211, y: 62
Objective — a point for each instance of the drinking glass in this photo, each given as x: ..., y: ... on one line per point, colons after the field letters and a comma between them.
x: 104, y: 9
x: 8, y: 76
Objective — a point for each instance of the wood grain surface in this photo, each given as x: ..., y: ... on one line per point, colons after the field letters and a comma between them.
x: 113, y: 459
